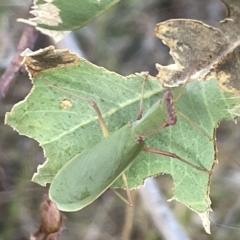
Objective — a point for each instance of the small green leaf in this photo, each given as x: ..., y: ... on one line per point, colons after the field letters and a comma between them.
x: 57, y: 17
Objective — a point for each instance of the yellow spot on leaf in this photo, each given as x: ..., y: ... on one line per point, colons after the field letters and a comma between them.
x: 66, y: 103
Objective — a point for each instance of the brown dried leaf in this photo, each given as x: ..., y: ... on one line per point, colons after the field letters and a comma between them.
x: 206, y: 50
x: 182, y: 37
x: 227, y: 71
x: 230, y: 25
x: 47, y: 58
x: 52, y: 221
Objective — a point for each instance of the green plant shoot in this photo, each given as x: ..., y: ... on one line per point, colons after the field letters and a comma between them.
x: 97, y: 168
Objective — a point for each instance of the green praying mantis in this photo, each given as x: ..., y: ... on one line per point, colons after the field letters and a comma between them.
x: 114, y: 154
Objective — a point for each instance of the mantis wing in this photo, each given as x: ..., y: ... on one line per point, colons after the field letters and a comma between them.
x: 94, y: 170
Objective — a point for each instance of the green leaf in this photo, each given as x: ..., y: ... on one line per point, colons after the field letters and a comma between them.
x: 64, y: 125
x: 60, y: 15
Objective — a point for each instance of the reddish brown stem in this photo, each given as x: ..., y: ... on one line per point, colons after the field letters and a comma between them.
x: 8, y: 78
x: 139, y: 116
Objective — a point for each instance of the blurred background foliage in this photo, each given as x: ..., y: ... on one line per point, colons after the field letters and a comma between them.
x: 120, y: 40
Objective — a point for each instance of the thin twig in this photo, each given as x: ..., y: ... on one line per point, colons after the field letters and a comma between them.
x: 8, y: 78
x: 163, y: 218
x: 128, y: 222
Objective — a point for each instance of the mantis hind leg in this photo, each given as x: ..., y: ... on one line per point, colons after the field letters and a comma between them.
x: 129, y: 197
x: 173, y: 155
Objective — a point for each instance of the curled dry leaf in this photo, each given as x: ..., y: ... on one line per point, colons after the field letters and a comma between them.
x: 47, y: 58
x: 52, y: 221
x: 209, y: 51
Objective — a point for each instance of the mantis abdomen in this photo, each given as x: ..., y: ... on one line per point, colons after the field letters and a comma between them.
x: 94, y: 170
